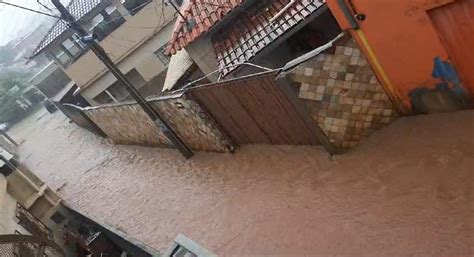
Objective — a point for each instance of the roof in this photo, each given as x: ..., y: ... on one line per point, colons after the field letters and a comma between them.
x: 254, y: 31
x: 201, y: 16
x: 78, y: 9
x: 179, y: 65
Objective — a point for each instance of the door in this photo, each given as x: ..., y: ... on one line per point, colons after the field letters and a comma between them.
x: 455, y: 26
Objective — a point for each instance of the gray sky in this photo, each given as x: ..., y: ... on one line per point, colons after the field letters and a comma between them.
x: 15, y: 22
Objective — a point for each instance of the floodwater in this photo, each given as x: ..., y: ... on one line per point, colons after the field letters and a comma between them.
x: 407, y: 191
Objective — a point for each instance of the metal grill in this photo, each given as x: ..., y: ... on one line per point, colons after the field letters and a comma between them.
x: 31, y: 223
x: 28, y: 246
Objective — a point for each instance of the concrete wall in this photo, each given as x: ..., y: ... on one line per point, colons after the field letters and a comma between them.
x: 132, y: 45
x: 8, y: 223
x: 400, y: 41
x: 50, y: 80
x: 203, y: 54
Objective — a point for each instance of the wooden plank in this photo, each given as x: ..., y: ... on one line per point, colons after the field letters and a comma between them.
x: 275, y: 117
x: 289, y: 119
x: 254, y: 104
x: 251, y: 126
x: 231, y: 115
x: 208, y: 101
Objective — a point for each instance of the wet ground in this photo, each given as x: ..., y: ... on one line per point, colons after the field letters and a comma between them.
x: 407, y: 191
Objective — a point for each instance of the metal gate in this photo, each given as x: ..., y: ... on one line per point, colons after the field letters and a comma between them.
x: 260, y: 109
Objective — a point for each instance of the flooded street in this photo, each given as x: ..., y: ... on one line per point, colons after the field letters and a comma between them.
x: 407, y: 191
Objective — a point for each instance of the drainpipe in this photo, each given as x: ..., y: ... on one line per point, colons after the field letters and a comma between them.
x: 347, y: 12
x: 292, y: 2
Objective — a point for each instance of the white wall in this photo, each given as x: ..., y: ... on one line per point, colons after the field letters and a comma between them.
x: 203, y: 54
x: 8, y: 223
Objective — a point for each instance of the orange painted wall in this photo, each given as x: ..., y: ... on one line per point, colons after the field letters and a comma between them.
x: 403, y: 39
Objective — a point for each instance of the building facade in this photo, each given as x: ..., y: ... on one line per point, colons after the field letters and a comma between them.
x: 133, y: 33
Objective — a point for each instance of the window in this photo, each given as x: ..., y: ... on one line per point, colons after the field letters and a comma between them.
x: 68, y: 51
x: 161, y: 54
x: 61, y: 56
x: 178, y: 3
x: 134, y: 6
x: 104, y: 98
x: 72, y: 48
x: 117, y: 92
x: 106, y: 22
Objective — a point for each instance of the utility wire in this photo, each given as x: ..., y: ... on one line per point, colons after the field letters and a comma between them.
x: 31, y: 10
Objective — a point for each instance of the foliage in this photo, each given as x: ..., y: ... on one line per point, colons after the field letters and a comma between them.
x: 6, y: 55
x: 12, y: 84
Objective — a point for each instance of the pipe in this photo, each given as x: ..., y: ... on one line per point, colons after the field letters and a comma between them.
x: 347, y: 12
x: 292, y: 2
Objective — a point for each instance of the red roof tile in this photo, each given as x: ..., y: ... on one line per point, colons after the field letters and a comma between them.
x: 200, y: 16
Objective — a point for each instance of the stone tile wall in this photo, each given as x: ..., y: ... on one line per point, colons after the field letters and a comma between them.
x: 127, y: 123
x: 343, y: 94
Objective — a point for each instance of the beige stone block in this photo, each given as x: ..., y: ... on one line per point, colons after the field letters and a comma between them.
x: 319, y: 97
x: 320, y: 89
x: 348, y: 51
x: 308, y: 72
x: 340, y: 50
x: 349, y: 77
x: 356, y: 53
x: 347, y: 84
x: 373, y: 80
x: 331, y: 82
x: 354, y: 61
x: 305, y: 87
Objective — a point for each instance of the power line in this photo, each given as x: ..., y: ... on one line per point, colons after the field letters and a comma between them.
x: 31, y: 10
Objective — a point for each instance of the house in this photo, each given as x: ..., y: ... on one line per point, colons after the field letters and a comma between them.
x: 134, y: 33
x: 420, y: 48
x: 300, y: 38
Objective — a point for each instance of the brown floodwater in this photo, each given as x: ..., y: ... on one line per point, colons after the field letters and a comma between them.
x: 407, y: 191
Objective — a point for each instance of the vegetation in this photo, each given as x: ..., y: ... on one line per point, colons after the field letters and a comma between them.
x: 6, y: 55
x: 12, y: 84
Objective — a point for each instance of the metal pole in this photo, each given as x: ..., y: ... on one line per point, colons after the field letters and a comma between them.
x: 177, y: 10
x: 102, y: 55
x: 10, y: 139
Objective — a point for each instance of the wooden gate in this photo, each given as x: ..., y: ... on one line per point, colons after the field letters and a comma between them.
x: 258, y: 109
x: 454, y: 23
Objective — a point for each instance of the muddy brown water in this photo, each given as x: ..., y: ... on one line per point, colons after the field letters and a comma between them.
x: 407, y: 191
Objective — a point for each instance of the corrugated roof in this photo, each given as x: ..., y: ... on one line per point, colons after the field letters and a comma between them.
x: 177, y: 68
x: 252, y: 31
x: 78, y: 9
x: 201, y: 16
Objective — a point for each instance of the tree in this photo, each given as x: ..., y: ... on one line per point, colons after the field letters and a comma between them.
x: 6, y: 55
x: 12, y: 84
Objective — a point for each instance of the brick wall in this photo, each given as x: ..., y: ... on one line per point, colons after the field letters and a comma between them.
x: 343, y: 94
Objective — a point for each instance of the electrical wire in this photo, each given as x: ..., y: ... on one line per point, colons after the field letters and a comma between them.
x: 31, y: 10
